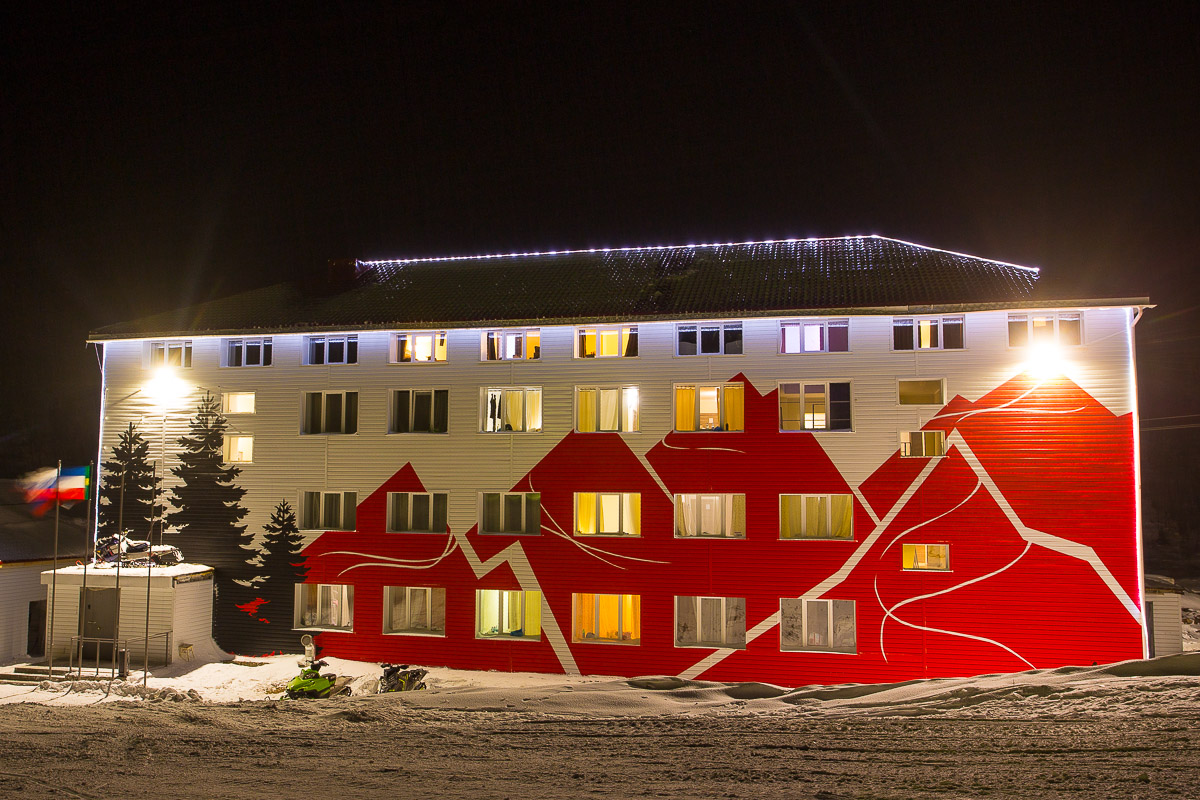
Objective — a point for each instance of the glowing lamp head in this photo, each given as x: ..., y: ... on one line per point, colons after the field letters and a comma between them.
x: 1046, y: 361
x: 166, y: 389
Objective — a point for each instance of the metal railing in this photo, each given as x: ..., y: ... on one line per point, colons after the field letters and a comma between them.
x: 118, y: 653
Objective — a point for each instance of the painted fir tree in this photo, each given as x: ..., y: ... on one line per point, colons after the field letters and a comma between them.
x: 283, y: 568
x: 130, y: 458
x: 207, y: 501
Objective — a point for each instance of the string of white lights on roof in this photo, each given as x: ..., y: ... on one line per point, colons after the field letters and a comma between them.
x: 662, y: 247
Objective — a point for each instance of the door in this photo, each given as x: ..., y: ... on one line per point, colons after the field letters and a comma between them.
x: 36, y: 636
x: 98, y: 620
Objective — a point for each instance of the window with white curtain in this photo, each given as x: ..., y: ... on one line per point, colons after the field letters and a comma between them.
x: 417, y: 610
x: 814, y: 336
x: 511, y: 409
x: 827, y: 626
x: 606, y: 408
x: 712, y: 516
x: 418, y: 347
x: 524, y: 344
x: 710, y: 622
x: 501, y: 613
x: 324, y: 606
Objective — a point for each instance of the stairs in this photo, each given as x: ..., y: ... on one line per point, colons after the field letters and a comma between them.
x: 33, y: 674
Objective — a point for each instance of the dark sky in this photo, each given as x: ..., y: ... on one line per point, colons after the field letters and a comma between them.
x: 158, y: 157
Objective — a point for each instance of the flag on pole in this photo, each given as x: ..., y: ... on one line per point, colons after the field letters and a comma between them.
x: 40, y: 491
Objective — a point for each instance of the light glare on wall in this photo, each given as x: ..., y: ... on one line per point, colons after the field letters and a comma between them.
x: 166, y: 389
x: 1046, y: 361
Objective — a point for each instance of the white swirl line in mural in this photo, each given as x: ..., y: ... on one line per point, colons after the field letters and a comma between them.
x: 396, y: 563
x: 957, y: 506
x: 888, y: 612
x: 1001, y: 410
x: 719, y: 449
x: 589, y: 549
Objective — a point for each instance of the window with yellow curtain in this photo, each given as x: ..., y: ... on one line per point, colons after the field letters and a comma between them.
x: 513, y: 614
x: 712, y: 407
x: 933, y: 557
x: 608, y: 514
x: 613, y: 618
x: 511, y: 409
x: 816, y: 516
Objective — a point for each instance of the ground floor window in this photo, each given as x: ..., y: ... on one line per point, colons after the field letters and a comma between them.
x: 710, y: 622
x: 821, y: 625
x: 615, y: 618
x: 414, y: 609
x: 325, y: 606
x: 513, y: 614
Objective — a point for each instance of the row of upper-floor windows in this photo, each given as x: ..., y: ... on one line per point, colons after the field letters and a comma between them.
x: 818, y: 625
x: 621, y: 341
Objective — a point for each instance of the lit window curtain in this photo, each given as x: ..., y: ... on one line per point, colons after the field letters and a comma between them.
x: 418, y: 618
x: 610, y: 342
x: 326, y: 609
x: 709, y: 408
x: 491, y: 353
x: 307, y: 604
x: 585, y: 616
x: 533, y: 411
x: 514, y: 409
x: 791, y: 413
x: 712, y: 515
x: 685, y: 408
x: 533, y: 344
x: 533, y: 613
x: 438, y: 611
x: 685, y: 514
x: 422, y: 347
x: 789, y: 516
x: 515, y: 607
x: 632, y: 509
x: 817, y: 629
x: 791, y: 338
x: 630, y: 415
x: 737, y: 525
x: 813, y: 517
x: 585, y: 513
x: 610, y: 513
x: 398, y: 612
x: 844, y: 636
x: 814, y: 338
x: 938, y: 556
x: 608, y: 617
x: 734, y: 395
x: 735, y: 622
x: 488, y: 601
x: 909, y: 556
x: 609, y: 409
x: 587, y: 344
x: 685, y: 621
x: 585, y: 410
x: 712, y: 620
x: 631, y: 617
x: 842, y: 510
x: 439, y: 347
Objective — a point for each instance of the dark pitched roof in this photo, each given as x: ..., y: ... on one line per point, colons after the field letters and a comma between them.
x: 720, y: 280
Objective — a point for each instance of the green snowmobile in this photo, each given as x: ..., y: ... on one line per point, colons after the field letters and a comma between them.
x: 311, y: 683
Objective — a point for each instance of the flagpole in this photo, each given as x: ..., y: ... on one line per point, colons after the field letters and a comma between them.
x: 120, y: 553
x: 54, y: 574
x: 89, y: 550
x: 149, y: 563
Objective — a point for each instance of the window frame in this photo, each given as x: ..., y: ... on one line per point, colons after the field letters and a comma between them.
x: 935, y: 404
x: 345, y: 496
x: 227, y: 448
x: 266, y: 350
x: 849, y: 403
x: 723, y: 326
x: 828, y: 521
x: 625, y: 334
x: 1056, y: 318
x: 578, y: 638
x: 227, y: 408
x: 390, y: 512
x: 725, y: 643
x: 523, y: 603
x: 346, y: 599
x: 485, y: 416
x: 412, y: 410
x: 925, y: 550
x: 349, y: 342
x: 807, y: 634
x: 623, y: 499
x: 525, y: 523
x: 722, y: 406
x: 623, y: 391
x: 389, y: 606
x: 915, y: 321
x: 905, y: 447
x: 823, y: 324
x: 503, y: 335
x: 729, y: 521
x: 158, y: 353
x: 305, y: 416
x: 410, y: 337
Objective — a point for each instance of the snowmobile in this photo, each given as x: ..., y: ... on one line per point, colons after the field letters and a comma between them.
x: 311, y: 683
x: 400, y: 678
x: 137, y: 552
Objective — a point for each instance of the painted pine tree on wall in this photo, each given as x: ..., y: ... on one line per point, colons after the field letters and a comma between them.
x: 130, y: 458
x: 283, y: 568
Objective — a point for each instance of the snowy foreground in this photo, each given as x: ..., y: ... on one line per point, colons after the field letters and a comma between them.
x: 1129, y: 730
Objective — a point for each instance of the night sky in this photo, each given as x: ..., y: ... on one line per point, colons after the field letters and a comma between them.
x: 156, y: 158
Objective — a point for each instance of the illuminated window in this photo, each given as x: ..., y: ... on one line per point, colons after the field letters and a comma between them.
x: 508, y: 614
x: 331, y: 349
x: 931, y: 557
x: 927, y: 333
x: 512, y: 345
x: 1064, y: 327
x: 248, y: 352
x: 712, y: 407
x: 327, y: 511
x: 169, y: 354
x: 324, y: 606
x: 422, y: 347
x: 919, y: 444
x: 510, y: 512
x: 239, y: 449
x: 710, y: 622
x: 612, y: 618
x: 419, y: 610
x: 615, y: 341
x: 608, y: 514
x: 417, y: 512
x: 820, y: 625
x: 921, y: 393
x: 511, y: 409
x: 815, y: 336
x: 816, y: 516
x: 709, y: 339
x: 613, y: 408
x: 419, y: 411
x: 814, y: 407
x: 330, y: 412
x: 712, y: 516
x: 237, y: 403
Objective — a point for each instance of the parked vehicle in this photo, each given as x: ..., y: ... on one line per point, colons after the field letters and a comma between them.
x: 400, y: 678
x: 311, y: 683
x: 137, y: 552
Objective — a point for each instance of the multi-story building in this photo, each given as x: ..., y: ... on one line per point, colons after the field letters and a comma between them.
x: 825, y: 460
